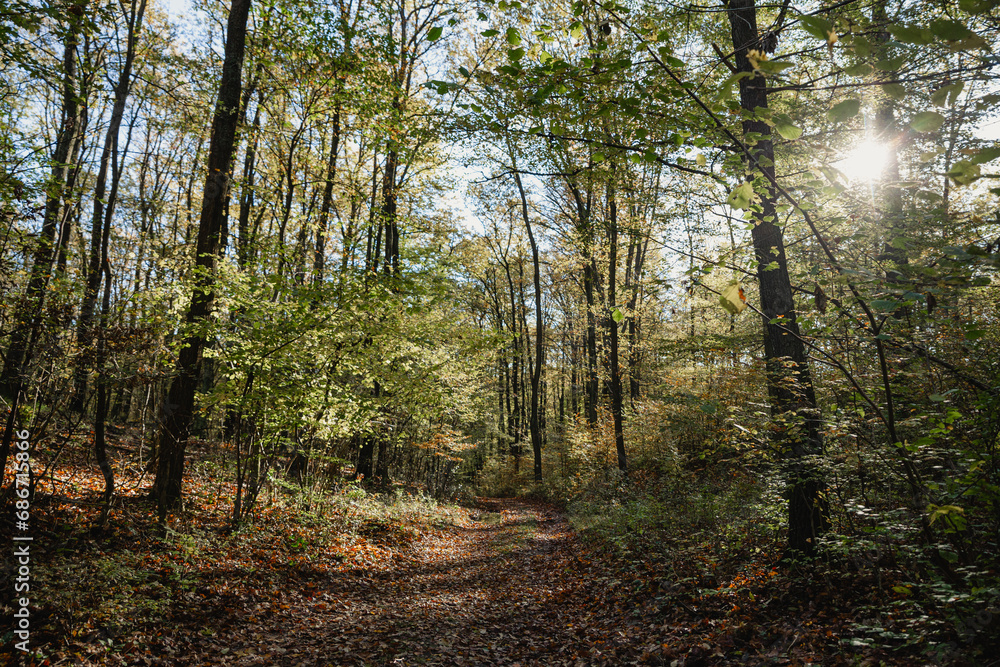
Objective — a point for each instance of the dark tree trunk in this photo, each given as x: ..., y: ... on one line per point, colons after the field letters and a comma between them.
x: 179, y: 409
x: 536, y: 371
x: 245, y: 242
x: 28, y: 314
x: 103, y: 391
x: 790, y: 388
x: 27, y: 318
x: 319, y: 256
x: 583, y: 224
x: 616, y: 378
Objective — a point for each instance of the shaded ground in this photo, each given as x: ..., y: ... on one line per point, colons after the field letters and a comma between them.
x: 504, y: 589
x: 506, y: 583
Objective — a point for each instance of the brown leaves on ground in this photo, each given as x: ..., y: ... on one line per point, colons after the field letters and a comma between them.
x: 505, y: 583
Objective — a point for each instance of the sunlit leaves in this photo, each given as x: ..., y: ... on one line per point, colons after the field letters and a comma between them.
x: 964, y: 172
x: 844, y: 110
x: 895, y: 91
x: 861, y: 69
x: 819, y: 27
x: 785, y: 128
x: 950, y: 30
x: 911, y: 34
x: 946, y: 96
x: 741, y: 197
x: 926, y: 121
x: 733, y: 299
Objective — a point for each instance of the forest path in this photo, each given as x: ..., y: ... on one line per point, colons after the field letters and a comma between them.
x: 501, y: 591
x: 511, y: 586
x: 496, y: 593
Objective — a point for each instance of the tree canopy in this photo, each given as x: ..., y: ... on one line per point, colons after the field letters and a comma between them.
x: 604, y: 253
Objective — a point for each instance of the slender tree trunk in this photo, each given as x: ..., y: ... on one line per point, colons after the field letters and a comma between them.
x: 536, y: 371
x: 616, y: 378
x: 180, y: 402
x: 103, y: 389
x: 319, y: 257
x: 245, y: 243
x: 104, y: 205
x: 790, y: 388
x: 27, y: 318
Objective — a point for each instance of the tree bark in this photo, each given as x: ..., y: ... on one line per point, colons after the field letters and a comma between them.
x: 27, y: 318
x: 180, y: 402
x: 616, y: 378
x: 536, y: 372
x: 790, y: 389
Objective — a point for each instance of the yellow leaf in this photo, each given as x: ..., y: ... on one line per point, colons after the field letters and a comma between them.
x: 733, y: 299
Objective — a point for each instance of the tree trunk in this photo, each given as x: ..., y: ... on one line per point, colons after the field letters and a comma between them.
x: 28, y: 315
x: 536, y: 372
x: 790, y: 389
x: 319, y: 256
x: 616, y: 378
x: 104, y: 207
x: 180, y: 402
x: 27, y: 318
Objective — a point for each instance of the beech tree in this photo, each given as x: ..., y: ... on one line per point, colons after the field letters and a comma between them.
x: 179, y: 407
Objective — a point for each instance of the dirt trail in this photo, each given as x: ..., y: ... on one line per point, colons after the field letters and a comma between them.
x: 507, y: 589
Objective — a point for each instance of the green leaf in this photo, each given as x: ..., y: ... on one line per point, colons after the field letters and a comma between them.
x: 818, y: 27
x: 927, y: 121
x: 516, y: 54
x: 890, y: 64
x: 977, y: 7
x: 598, y: 158
x: 911, y: 34
x: 949, y: 30
x: 862, y: 47
x: 972, y: 333
x: 489, y: 33
x: 513, y: 38
x: 945, y: 96
x: 894, y: 90
x: 773, y: 66
x: 861, y: 69
x: 617, y: 315
x: 884, y: 305
x: 964, y: 172
x: 784, y: 127
x: 434, y: 34
x: 984, y: 155
x: 741, y: 197
x: 844, y: 110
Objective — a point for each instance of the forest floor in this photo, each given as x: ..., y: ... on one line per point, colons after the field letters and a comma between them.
x: 504, y: 582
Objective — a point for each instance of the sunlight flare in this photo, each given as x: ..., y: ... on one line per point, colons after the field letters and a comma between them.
x: 865, y: 163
